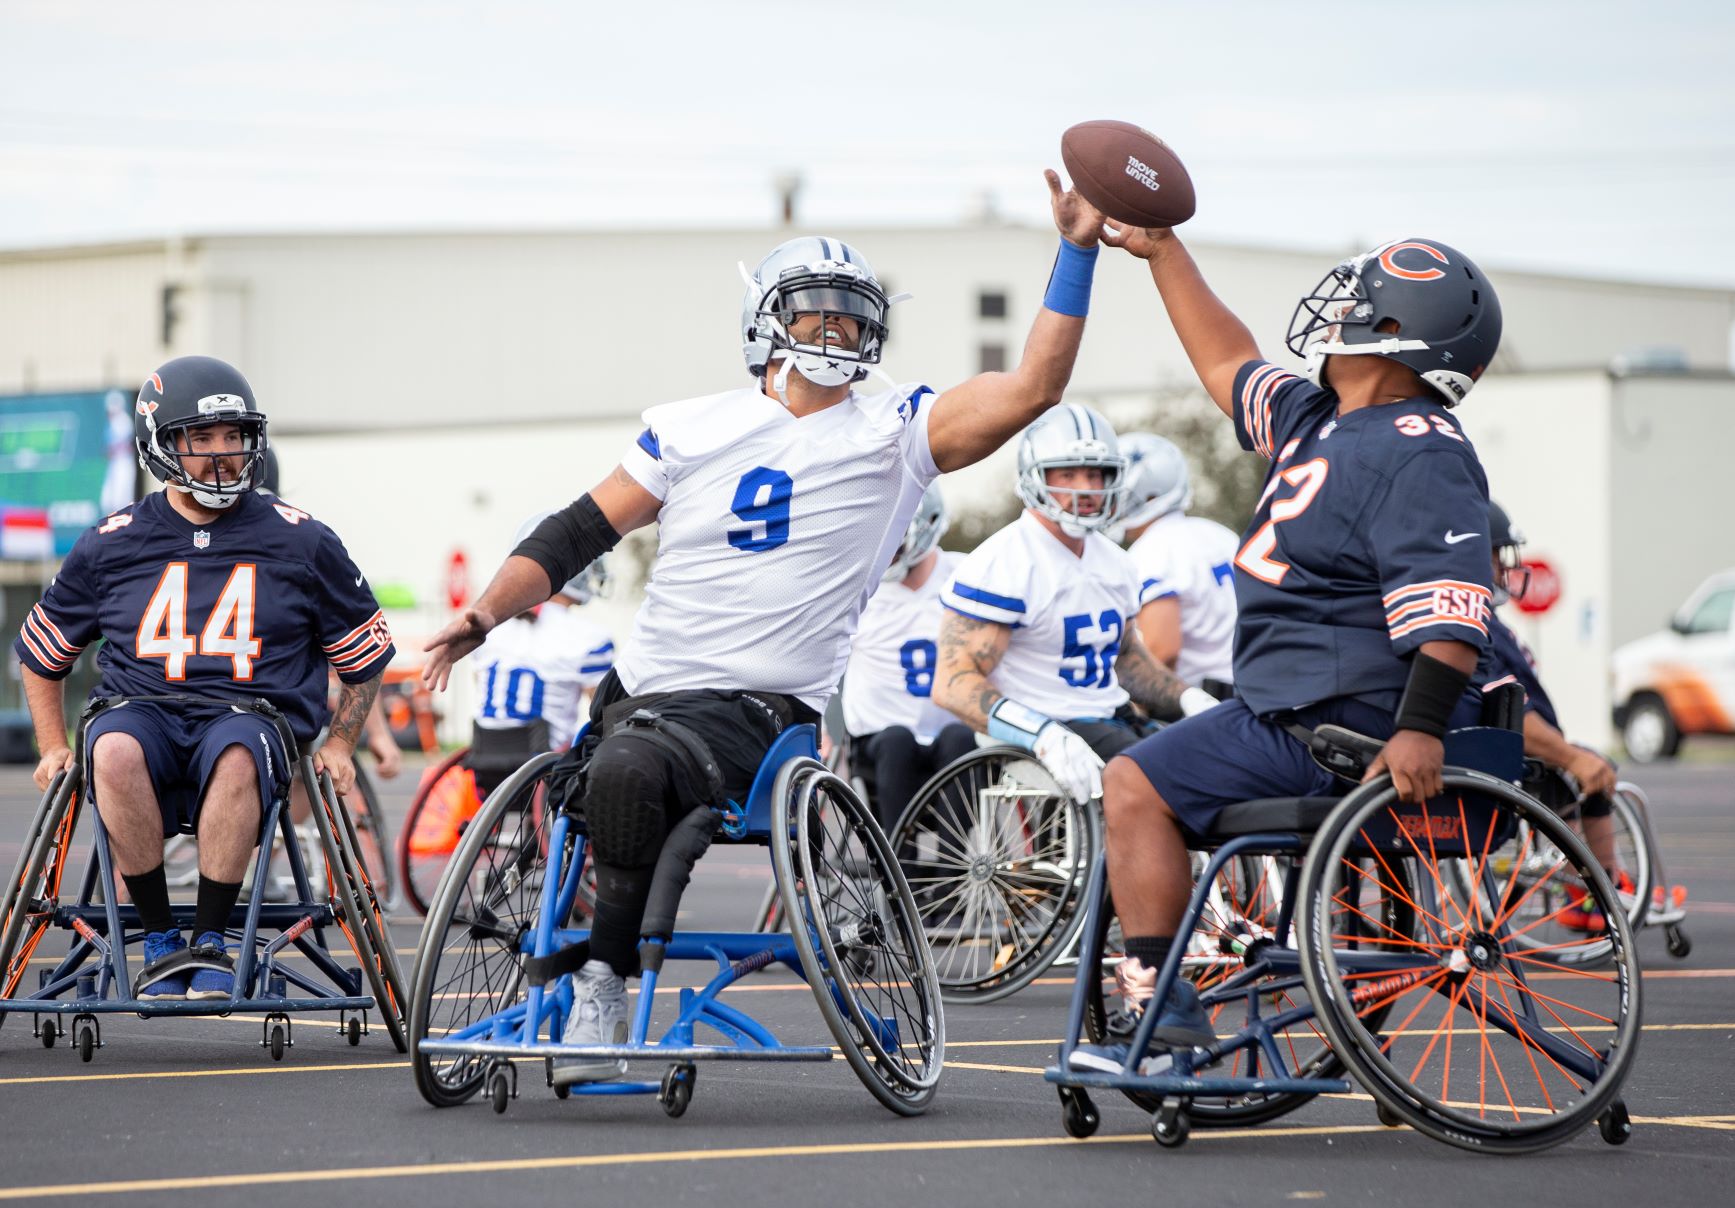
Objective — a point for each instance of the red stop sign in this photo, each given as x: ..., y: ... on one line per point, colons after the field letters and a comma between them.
x: 457, y: 580
x: 1543, y: 590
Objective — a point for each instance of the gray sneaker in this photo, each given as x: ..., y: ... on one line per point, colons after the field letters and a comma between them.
x: 599, y: 1016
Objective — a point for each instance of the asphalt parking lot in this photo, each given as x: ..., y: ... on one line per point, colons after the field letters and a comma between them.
x: 195, y: 1111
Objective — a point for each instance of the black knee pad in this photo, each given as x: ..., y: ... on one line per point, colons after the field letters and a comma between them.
x: 627, y: 801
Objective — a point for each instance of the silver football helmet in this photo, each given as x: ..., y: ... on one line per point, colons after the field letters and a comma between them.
x: 927, y: 526
x: 587, y: 584
x: 1071, y: 435
x: 1157, y: 480
x: 812, y: 275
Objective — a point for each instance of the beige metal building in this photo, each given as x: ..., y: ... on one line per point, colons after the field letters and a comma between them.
x: 427, y: 391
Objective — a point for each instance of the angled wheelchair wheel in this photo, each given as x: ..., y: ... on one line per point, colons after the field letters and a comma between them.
x: 859, y: 936
x: 359, y: 911
x: 469, y: 964
x: 996, y: 857
x: 33, y: 890
x: 1241, y: 958
x: 1462, y: 1030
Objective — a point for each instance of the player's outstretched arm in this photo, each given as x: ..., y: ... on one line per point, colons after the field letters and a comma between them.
x: 1216, y: 341
x: 969, y: 651
x: 975, y: 418
x: 46, y: 699
x: 564, y: 544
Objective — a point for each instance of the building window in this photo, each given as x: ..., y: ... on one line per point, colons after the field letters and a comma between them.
x: 991, y: 304
x: 991, y: 358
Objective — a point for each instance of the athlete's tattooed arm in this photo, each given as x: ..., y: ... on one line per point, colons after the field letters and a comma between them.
x: 337, y: 756
x: 1153, y: 687
x: 969, y: 652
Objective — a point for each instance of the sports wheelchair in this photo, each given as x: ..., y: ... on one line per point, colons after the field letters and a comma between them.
x: 997, y: 856
x: 1371, y: 959
x: 92, y: 979
x: 493, y: 973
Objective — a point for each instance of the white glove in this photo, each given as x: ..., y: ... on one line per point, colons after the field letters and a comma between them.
x: 1070, y: 761
x: 1197, y: 700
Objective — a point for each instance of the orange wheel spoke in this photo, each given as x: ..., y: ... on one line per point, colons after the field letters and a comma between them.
x: 1528, y: 1047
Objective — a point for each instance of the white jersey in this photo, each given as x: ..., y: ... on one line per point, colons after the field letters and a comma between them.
x: 890, y: 677
x: 1193, y: 559
x: 773, y: 533
x: 539, y: 667
x: 1068, y: 614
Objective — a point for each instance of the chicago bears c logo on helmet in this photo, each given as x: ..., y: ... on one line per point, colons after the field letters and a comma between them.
x: 1390, y: 264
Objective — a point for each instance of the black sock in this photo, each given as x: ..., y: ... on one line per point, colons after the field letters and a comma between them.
x: 621, y: 894
x: 216, y: 901
x: 1152, y: 950
x: 150, y: 894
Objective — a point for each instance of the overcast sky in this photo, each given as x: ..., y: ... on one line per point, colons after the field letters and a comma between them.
x: 1589, y: 137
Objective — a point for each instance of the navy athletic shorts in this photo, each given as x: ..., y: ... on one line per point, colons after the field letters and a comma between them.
x: 1226, y: 755
x: 181, y: 747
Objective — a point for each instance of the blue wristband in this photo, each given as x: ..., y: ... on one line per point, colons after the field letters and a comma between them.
x: 1069, y: 283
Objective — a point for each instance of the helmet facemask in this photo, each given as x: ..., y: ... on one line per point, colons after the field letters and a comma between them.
x: 827, y: 295
x: 1338, y: 307
x: 201, y: 475
x: 1040, y: 497
x: 1511, y: 576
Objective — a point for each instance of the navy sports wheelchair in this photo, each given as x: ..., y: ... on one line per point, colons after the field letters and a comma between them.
x: 493, y: 981
x: 284, y: 964
x: 1387, y: 941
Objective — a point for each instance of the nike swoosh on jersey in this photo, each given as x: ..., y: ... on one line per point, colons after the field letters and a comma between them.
x: 359, y: 578
x: 1453, y: 538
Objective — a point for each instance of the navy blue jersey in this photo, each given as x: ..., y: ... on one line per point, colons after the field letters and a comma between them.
x: 254, y: 604
x: 1507, y: 660
x: 1370, y: 539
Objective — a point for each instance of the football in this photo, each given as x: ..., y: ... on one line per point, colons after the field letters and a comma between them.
x: 1128, y: 173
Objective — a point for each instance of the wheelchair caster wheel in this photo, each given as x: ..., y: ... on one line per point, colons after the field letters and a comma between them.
x: 1170, y: 1125
x: 1680, y: 945
x: 1615, y: 1125
x: 1078, y: 1115
x: 278, y: 1043
x: 85, y: 1036
x: 352, y: 1032
x: 49, y: 1033
x: 563, y: 1092
x: 502, y: 1086
x: 677, y: 1090
x: 1387, y: 1116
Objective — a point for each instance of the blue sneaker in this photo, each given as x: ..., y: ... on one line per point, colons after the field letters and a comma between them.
x: 1183, y: 1024
x: 162, y: 948
x: 209, y: 982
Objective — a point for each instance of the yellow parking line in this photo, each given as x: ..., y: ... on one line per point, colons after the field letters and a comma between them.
x: 578, y: 1161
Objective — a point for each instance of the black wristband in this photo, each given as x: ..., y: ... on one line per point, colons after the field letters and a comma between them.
x: 569, y: 540
x: 1431, y: 694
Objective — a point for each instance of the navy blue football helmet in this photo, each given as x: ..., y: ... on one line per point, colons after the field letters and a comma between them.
x: 194, y: 392
x: 1511, y: 576
x: 1417, y: 301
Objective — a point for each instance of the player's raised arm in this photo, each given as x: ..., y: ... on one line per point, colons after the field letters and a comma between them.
x: 1216, y: 341
x: 562, y: 545
x: 973, y: 419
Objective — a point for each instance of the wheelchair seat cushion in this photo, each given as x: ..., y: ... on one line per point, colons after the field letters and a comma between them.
x: 1283, y: 815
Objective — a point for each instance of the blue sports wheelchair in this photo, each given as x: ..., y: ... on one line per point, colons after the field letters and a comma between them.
x: 284, y: 964
x: 493, y: 982
x: 1386, y: 941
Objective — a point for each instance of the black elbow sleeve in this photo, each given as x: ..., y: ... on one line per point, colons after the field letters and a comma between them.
x: 569, y: 540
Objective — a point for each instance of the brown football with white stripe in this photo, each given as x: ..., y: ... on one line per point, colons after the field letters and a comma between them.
x: 1128, y: 173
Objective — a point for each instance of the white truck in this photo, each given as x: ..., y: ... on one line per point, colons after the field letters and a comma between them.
x: 1681, y: 680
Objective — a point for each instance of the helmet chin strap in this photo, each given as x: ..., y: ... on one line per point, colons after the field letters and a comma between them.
x: 216, y: 503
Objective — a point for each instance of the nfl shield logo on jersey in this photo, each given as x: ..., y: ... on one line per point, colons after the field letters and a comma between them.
x: 201, y: 539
